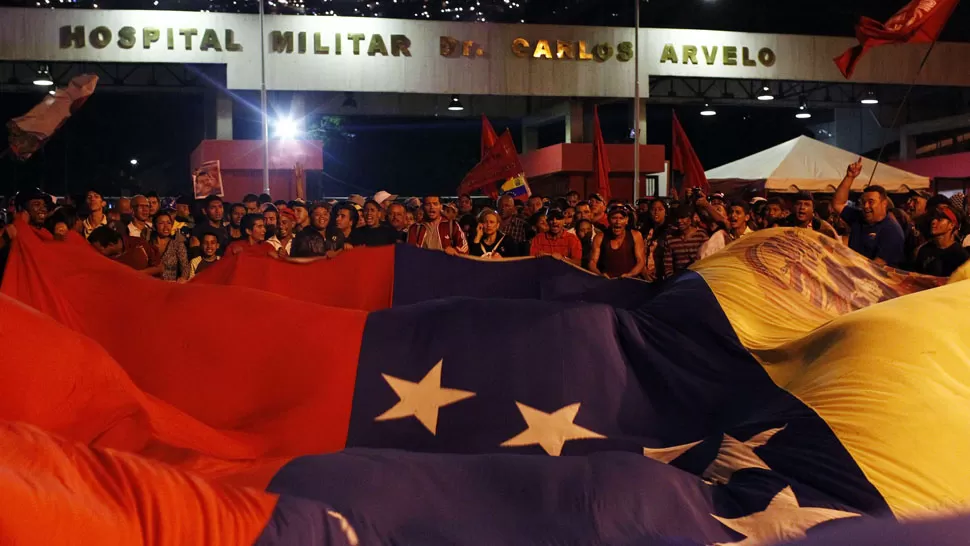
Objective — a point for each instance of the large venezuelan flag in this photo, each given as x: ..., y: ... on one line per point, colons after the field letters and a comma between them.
x: 397, y: 396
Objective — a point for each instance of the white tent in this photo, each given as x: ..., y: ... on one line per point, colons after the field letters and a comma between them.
x: 805, y: 164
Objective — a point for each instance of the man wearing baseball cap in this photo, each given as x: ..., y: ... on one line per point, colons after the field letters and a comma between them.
x: 943, y: 254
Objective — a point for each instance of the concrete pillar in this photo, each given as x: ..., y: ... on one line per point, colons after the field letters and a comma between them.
x: 530, y: 139
x: 223, y: 116
x: 575, y: 122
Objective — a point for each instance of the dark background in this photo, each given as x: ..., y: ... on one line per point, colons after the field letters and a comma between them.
x: 404, y: 155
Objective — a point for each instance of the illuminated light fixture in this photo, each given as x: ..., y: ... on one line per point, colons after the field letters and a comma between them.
x: 349, y: 101
x: 455, y: 104
x: 803, y: 112
x: 765, y: 93
x: 43, y: 78
x: 869, y: 98
x: 134, y: 162
x: 708, y: 111
x: 287, y: 129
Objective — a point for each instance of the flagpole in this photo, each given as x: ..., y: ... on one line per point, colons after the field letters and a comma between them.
x: 899, y: 111
x: 262, y: 98
x: 636, y: 102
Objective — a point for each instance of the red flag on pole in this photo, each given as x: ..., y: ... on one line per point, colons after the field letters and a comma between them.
x: 29, y: 132
x: 489, y: 136
x: 684, y: 160
x: 499, y: 164
x: 601, y: 162
x: 919, y: 22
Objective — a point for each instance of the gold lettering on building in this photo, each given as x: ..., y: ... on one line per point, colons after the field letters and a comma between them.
x: 100, y: 37
x: 566, y: 50
x: 149, y: 36
x: 210, y: 40
x: 376, y: 46
x: 126, y: 37
x: 688, y: 54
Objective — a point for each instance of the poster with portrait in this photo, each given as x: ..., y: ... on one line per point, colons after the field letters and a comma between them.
x: 207, y: 180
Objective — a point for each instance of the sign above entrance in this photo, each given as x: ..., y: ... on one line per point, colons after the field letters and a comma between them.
x: 410, y: 56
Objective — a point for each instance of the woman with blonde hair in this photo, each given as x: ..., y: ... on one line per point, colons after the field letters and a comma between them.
x: 489, y: 241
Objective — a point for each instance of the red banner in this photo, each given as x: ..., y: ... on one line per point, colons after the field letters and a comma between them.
x: 601, y: 162
x: 684, y: 160
x: 489, y: 136
x: 499, y: 164
x: 919, y: 22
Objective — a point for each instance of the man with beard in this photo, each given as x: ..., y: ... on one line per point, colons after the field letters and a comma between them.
x: 213, y: 224
x: 619, y: 253
x: 944, y: 253
x: 437, y: 233
x: 271, y: 217
x: 804, y: 216
x: 557, y: 242
x: 872, y: 232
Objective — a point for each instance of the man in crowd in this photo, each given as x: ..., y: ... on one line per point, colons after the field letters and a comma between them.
x: 804, y: 216
x: 302, y: 214
x: 397, y: 217
x: 124, y: 209
x: 234, y: 227
x: 532, y: 206
x: 944, y: 253
x: 96, y: 216
x: 513, y: 227
x: 271, y: 217
x: 141, y: 218
x: 557, y: 242
x: 597, y: 206
x: 375, y: 231
x: 135, y: 252
x: 282, y: 240
x: 465, y: 205
x: 872, y: 232
x: 183, y: 215
x: 254, y: 228
x: 775, y: 212
x: 737, y: 227
x: 154, y: 203
x: 213, y: 224
x: 209, y: 256
x: 572, y: 198
x: 251, y: 203
x: 436, y: 233
x: 684, y: 241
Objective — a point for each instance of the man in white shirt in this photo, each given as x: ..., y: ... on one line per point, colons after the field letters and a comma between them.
x: 737, y: 227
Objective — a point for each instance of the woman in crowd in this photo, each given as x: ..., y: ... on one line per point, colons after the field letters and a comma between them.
x: 174, y: 256
x: 538, y: 224
x: 489, y: 242
x: 619, y: 252
x: 655, y: 239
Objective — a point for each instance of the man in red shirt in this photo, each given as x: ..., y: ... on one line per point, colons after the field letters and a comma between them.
x: 254, y: 241
x: 557, y: 242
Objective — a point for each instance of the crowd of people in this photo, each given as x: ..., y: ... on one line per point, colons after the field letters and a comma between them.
x: 655, y: 239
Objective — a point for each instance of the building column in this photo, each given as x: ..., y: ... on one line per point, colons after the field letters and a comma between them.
x: 575, y: 122
x: 223, y: 116
x: 530, y: 139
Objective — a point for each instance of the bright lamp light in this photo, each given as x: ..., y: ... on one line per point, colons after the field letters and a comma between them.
x: 287, y: 128
x: 708, y: 111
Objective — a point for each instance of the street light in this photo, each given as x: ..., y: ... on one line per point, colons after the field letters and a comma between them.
x: 43, y: 78
x: 287, y: 129
x: 134, y: 162
x: 455, y: 105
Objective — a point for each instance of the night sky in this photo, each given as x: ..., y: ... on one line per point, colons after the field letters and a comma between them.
x: 403, y: 155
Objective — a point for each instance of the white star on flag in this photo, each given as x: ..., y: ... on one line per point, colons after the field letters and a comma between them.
x: 549, y: 430
x: 782, y: 520
x: 733, y: 455
x: 422, y: 400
